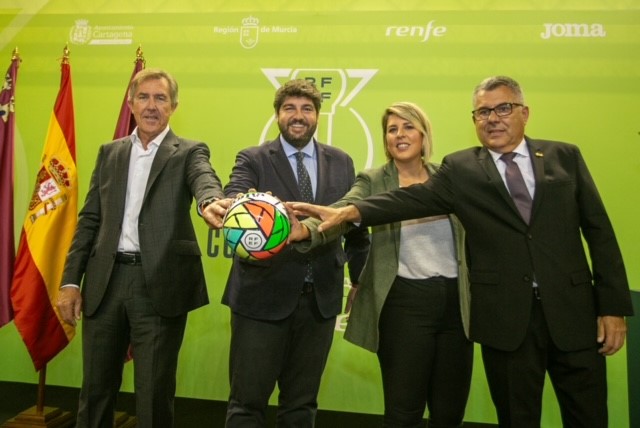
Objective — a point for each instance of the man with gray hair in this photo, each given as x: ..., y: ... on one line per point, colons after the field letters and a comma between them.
x: 136, y: 254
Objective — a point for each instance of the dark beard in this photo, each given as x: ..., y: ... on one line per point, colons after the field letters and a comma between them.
x: 298, y: 143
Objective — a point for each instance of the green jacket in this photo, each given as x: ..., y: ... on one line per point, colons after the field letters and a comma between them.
x: 382, y: 263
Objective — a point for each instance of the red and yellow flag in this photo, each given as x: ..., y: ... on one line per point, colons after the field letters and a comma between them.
x: 126, y: 122
x: 46, y: 235
x: 7, y: 242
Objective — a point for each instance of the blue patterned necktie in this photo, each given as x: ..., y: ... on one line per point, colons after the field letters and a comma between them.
x: 304, y: 184
x: 517, y: 187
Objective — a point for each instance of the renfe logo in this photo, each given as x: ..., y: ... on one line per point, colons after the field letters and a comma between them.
x: 573, y: 30
x: 416, y: 31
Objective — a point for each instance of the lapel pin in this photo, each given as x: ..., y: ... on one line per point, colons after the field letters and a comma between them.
x: 539, y: 154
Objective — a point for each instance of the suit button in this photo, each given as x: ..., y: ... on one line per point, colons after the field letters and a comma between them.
x: 526, y: 278
x: 529, y: 236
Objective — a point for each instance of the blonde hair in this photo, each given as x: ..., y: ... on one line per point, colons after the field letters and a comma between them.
x: 418, y: 118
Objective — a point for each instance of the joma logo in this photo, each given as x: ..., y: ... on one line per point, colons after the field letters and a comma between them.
x: 573, y: 30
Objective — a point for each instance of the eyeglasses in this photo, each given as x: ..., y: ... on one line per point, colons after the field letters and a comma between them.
x: 504, y: 109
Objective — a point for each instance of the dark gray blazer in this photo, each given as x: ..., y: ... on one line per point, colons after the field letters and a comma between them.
x: 506, y: 254
x: 171, y: 256
x: 270, y: 289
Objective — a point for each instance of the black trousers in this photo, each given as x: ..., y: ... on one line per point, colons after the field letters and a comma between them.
x: 291, y: 352
x: 425, y: 357
x: 516, y: 379
x: 126, y: 316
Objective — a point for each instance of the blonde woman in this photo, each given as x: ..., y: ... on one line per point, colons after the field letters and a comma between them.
x: 411, y: 306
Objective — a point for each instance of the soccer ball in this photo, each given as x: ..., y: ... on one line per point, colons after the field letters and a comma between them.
x: 256, y: 226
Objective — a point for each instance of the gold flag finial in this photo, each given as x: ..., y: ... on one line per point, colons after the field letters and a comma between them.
x: 140, y: 55
x: 15, y: 55
x: 65, y: 54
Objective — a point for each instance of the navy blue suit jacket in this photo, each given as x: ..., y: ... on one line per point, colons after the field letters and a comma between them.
x: 270, y: 289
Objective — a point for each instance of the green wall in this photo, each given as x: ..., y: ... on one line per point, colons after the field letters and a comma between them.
x: 577, y: 61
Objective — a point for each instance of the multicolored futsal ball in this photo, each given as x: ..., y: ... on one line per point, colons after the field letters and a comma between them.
x: 256, y: 226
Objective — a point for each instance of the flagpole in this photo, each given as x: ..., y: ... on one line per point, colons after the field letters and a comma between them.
x: 42, y: 380
x: 40, y: 415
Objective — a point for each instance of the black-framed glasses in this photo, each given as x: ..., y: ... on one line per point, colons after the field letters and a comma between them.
x: 504, y: 109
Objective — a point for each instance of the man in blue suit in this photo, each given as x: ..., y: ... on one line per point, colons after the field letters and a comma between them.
x: 537, y: 306
x: 283, y: 310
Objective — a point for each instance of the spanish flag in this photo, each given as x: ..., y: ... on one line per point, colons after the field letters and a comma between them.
x: 46, y: 236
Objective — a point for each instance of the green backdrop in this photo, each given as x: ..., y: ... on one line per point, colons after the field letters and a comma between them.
x: 577, y: 61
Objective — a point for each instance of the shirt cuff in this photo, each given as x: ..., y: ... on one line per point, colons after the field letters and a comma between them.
x: 202, y: 205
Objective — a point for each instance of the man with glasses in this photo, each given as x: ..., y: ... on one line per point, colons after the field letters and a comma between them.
x: 536, y: 306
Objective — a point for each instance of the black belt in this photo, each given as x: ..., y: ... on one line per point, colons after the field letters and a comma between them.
x: 127, y: 258
x: 307, y: 288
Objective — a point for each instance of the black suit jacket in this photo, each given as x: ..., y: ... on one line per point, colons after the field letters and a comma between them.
x: 168, y: 246
x: 506, y: 255
x: 270, y: 289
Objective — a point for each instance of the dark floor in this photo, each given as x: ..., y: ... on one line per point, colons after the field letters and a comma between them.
x: 189, y: 413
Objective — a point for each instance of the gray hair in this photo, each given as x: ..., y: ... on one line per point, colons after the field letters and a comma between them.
x: 493, y: 82
x: 152, y: 74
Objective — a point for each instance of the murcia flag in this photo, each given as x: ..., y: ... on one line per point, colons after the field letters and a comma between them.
x: 7, y: 243
x: 47, y: 232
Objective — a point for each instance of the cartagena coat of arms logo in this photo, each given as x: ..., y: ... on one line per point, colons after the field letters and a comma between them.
x: 81, y: 32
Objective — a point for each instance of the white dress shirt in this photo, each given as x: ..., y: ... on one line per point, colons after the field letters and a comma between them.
x: 522, y: 159
x: 139, y: 168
